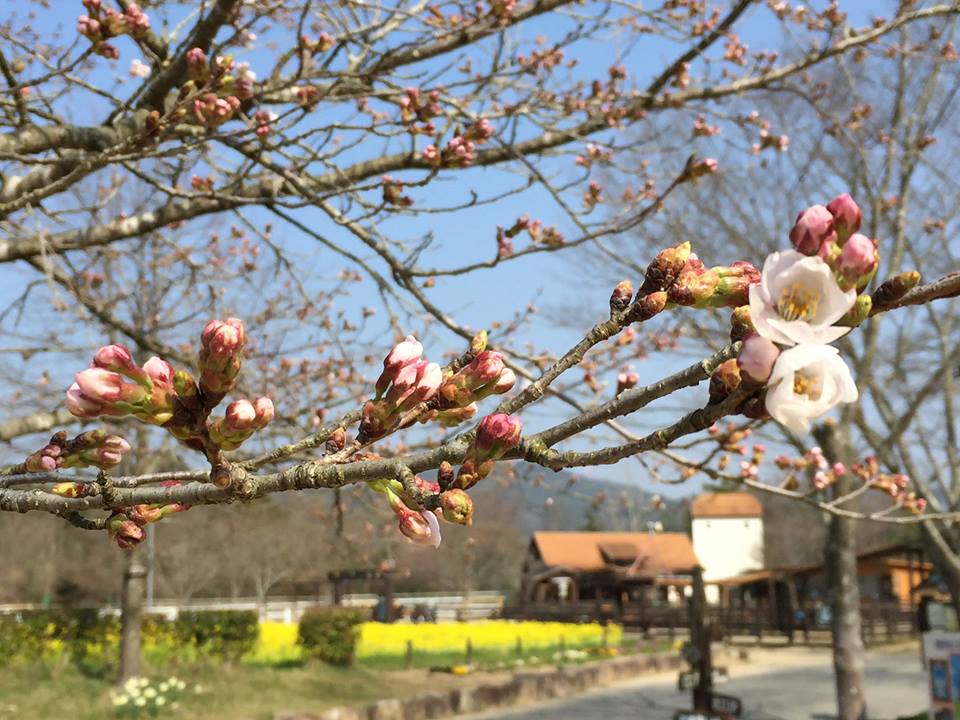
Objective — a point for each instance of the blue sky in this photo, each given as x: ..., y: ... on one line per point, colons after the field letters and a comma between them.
x: 560, y: 285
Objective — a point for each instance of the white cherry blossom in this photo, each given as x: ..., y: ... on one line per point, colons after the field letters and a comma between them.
x: 806, y: 382
x: 798, y: 300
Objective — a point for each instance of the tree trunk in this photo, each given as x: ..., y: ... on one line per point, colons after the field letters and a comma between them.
x: 843, y: 587
x: 131, y: 614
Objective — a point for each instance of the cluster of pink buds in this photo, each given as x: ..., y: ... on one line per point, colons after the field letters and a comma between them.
x: 831, y: 233
x: 210, y: 109
x: 415, y: 108
x: 103, y: 389
x: 893, y: 484
x: 221, y: 355
x: 241, y: 420
x: 457, y: 153
x: 480, y: 132
x: 594, y: 194
x: 485, y: 375
x: 323, y: 43
x: 721, y: 286
x: 496, y: 435
x: 263, y: 119
x: 734, y: 50
x: 126, y: 526
x: 503, y: 10
x: 702, y: 129
x: 104, y: 23
x: 94, y: 448
x: 308, y: 96
x: 407, y: 380
x: 594, y: 154
x: 775, y: 142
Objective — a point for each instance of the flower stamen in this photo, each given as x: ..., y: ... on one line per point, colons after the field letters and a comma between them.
x: 798, y: 302
x: 811, y: 387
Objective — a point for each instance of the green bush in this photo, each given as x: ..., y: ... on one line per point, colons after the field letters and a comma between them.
x: 218, y: 634
x: 330, y: 634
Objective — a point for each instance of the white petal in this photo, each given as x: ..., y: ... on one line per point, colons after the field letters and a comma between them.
x: 434, y: 524
x: 761, y: 313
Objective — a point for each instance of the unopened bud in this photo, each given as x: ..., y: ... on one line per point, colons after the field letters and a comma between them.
x: 858, y: 261
x: 858, y: 313
x: 741, y: 325
x: 665, y: 268
x: 457, y: 507
x: 621, y: 296
x: 846, y: 216
x: 812, y: 230
x: 479, y: 343
x: 445, y: 475
x: 895, y: 288
x: 497, y: 434
x: 757, y: 357
x: 725, y: 379
x: 336, y: 441
x: 647, y: 306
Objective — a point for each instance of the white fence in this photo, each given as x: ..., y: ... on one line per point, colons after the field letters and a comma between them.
x: 476, y: 606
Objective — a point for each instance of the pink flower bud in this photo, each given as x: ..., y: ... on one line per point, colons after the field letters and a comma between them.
x: 222, y: 339
x: 483, y: 369
x: 839, y: 469
x: 504, y: 383
x: 846, y: 216
x: 813, y: 229
x: 241, y: 415
x: 265, y: 411
x: 106, y: 387
x: 197, y: 61
x: 497, y: 434
x: 859, y: 257
x: 159, y: 371
x: 117, y: 359
x: 125, y: 532
x: 403, y: 354
x: 80, y: 405
x: 757, y: 357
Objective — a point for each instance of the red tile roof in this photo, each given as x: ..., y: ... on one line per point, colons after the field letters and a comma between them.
x: 651, y: 552
x: 725, y: 505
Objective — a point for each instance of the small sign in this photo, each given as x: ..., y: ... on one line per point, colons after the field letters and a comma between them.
x: 688, y: 679
x: 725, y: 705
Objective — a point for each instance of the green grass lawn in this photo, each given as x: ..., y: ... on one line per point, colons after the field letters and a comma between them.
x: 213, y: 693
x: 252, y: 691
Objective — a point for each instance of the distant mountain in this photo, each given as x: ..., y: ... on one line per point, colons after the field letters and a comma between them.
x: 560, y: 501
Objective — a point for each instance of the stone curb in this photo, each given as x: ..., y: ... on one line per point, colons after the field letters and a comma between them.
x: 524, y: 687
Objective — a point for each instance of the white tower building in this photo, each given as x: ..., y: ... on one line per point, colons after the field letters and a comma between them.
x: 727, y: 533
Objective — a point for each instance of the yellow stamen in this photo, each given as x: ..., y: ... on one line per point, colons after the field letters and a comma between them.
x: 798, y: 302
x: 809, y: 386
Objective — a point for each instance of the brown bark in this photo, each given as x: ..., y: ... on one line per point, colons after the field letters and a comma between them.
x: 843, y: 588
x: 131, y: 613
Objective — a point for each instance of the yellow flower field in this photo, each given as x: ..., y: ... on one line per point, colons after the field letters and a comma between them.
x: 278, y: 641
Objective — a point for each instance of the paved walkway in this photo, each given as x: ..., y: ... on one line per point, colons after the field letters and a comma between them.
x: 789, y: 684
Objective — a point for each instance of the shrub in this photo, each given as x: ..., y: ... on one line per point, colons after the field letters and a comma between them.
x: 217, y: 634
x: 331, y: 634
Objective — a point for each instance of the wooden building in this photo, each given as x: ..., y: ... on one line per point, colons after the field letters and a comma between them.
x: 571, y: 567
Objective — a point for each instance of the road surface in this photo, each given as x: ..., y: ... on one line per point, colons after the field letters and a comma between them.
x: 788, y: 684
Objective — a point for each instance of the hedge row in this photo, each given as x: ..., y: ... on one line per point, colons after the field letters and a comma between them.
x: 92, y: 641
x: 331, y: 634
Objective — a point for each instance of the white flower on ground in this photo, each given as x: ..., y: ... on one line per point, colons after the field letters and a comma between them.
x: 806, y: 382
x: 798, y: 300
